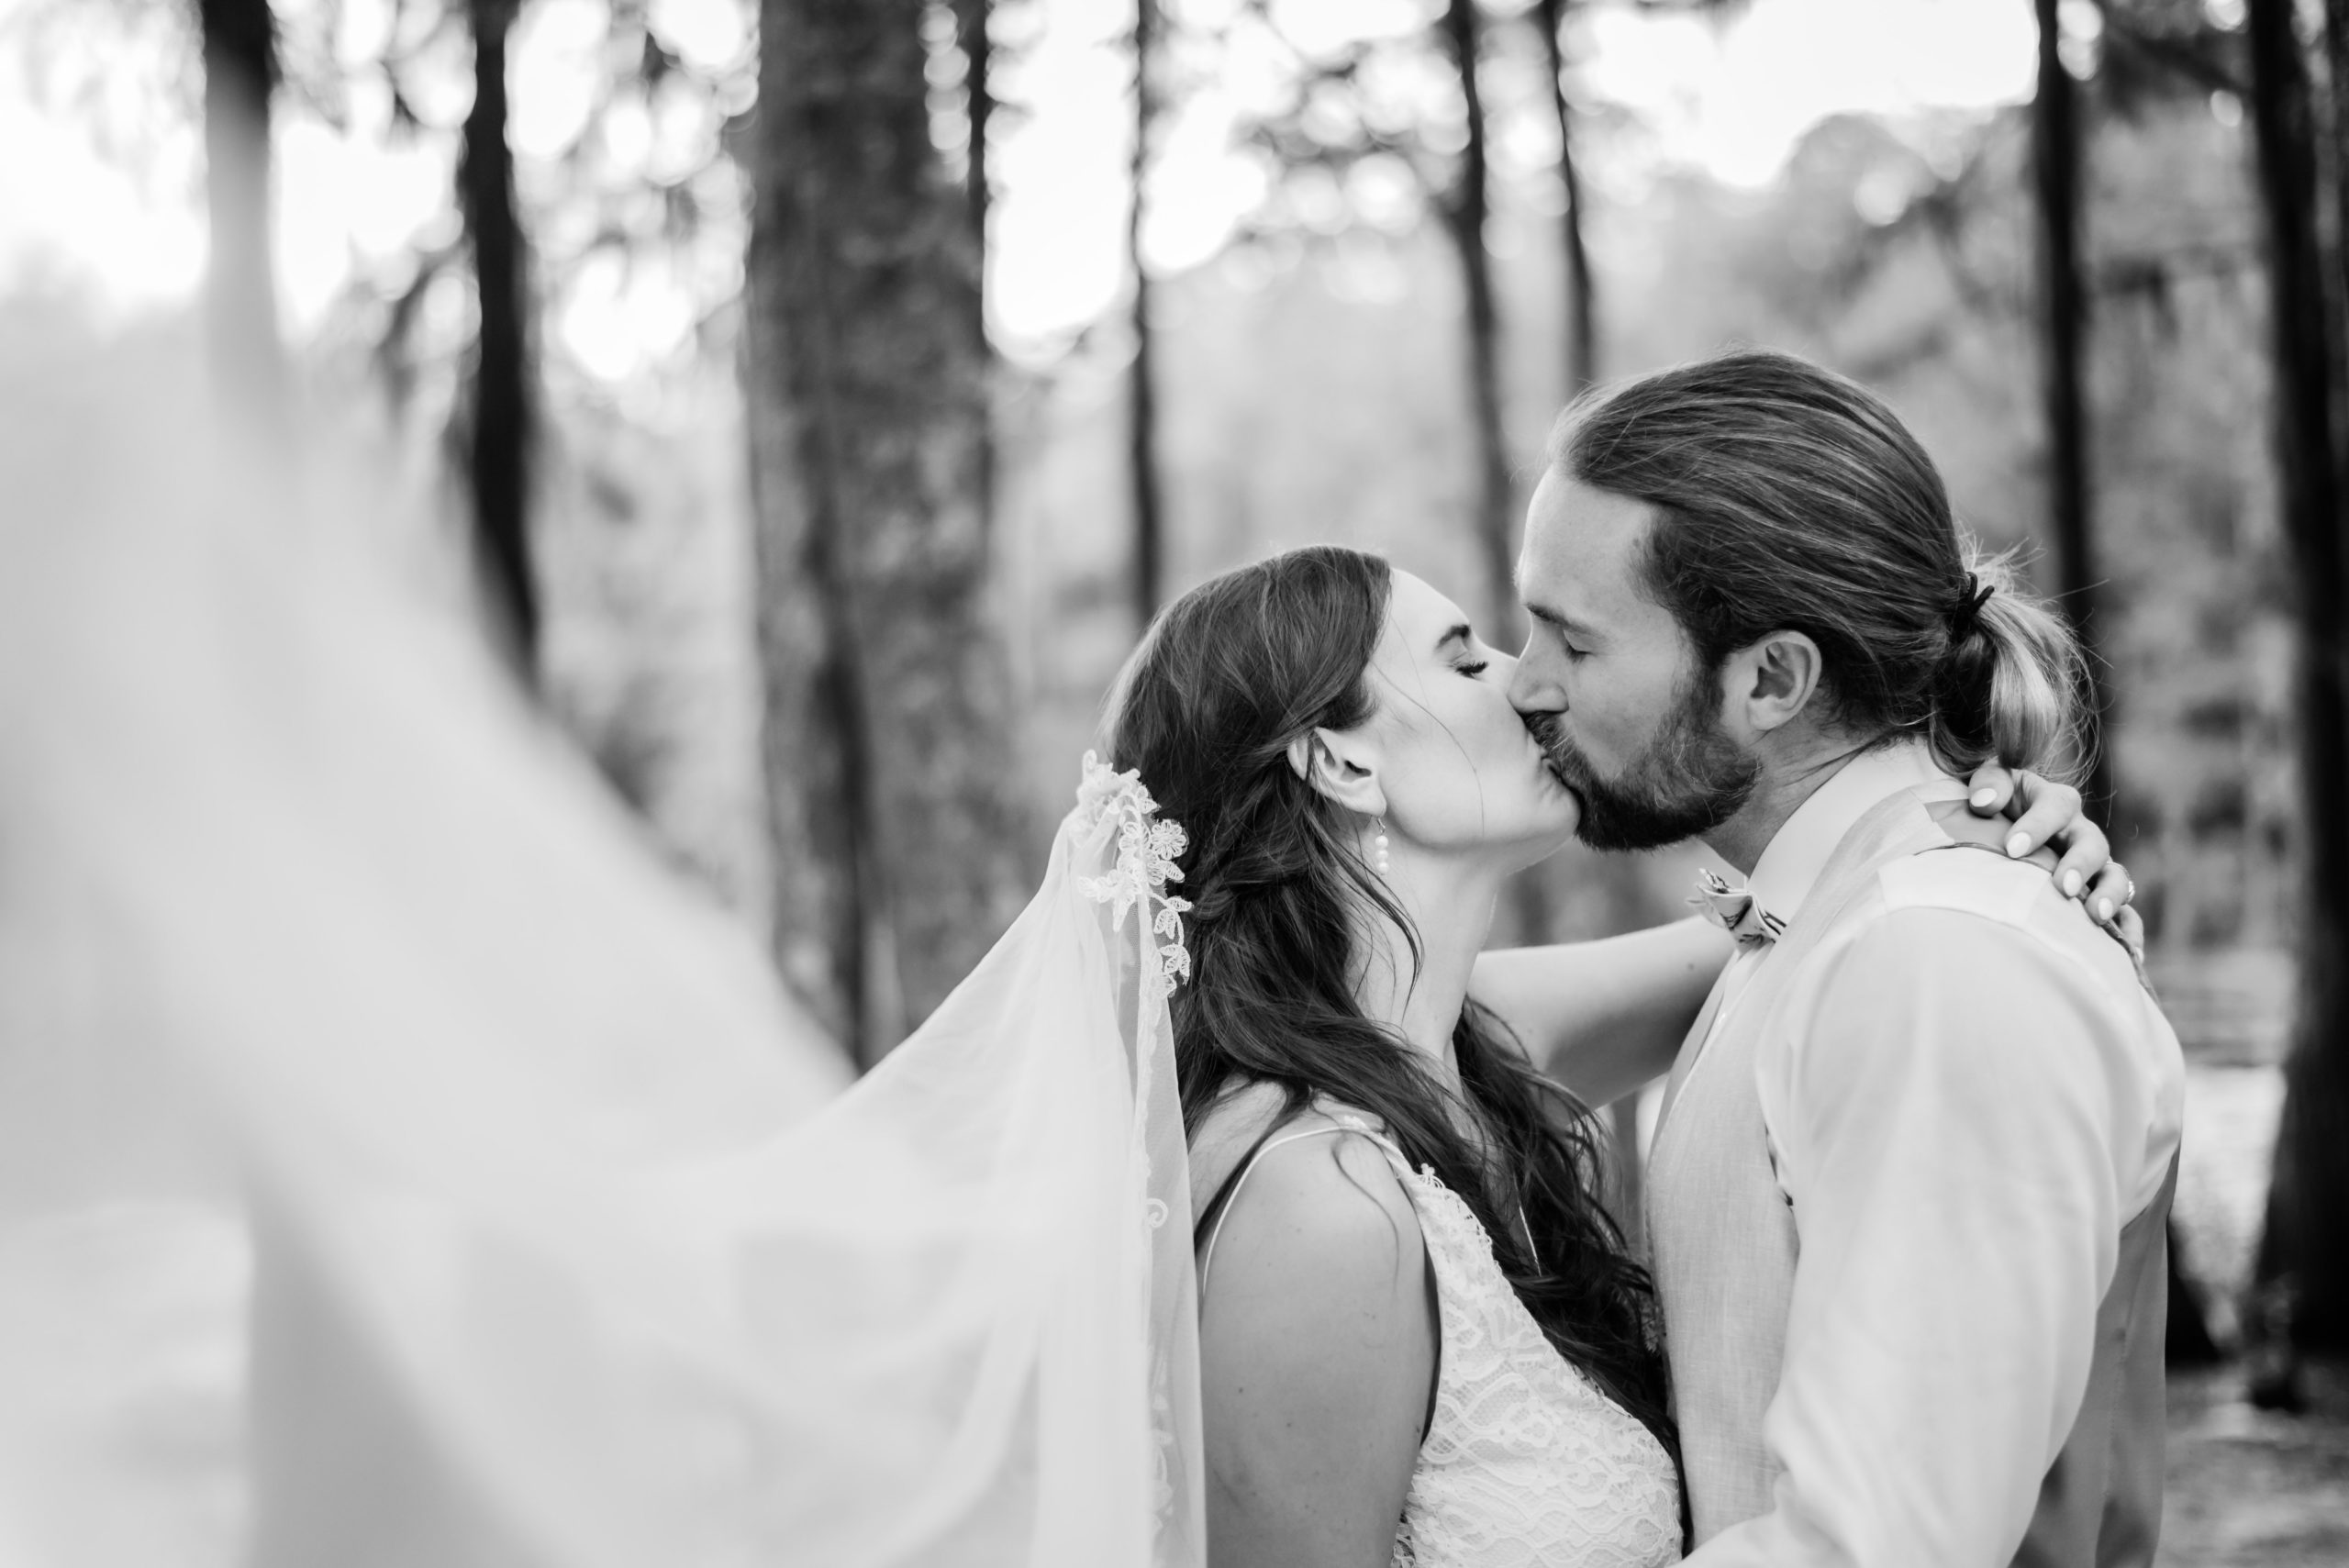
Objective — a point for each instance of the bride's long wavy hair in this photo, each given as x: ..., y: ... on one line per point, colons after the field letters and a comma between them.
x: 1205, y: 709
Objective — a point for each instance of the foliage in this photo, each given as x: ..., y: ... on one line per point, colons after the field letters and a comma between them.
x: 1311, y: 383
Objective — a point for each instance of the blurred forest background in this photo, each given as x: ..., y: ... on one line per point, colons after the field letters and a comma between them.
x: 812, y: 399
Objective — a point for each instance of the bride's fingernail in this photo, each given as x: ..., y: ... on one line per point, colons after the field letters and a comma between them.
x: 2018, y: 845
x: 2071, y: 884
x: 2104, y: 909
x: 1982, y: 797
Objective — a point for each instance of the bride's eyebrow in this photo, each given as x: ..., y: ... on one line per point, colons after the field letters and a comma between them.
x: 1460, y: 634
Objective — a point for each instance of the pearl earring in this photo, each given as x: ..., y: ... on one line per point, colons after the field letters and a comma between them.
x: 1378, y: 849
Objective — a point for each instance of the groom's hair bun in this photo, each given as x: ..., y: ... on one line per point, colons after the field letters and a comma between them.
x: 1787, y: 497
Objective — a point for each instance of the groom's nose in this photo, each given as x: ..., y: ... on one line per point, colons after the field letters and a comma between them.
x: 1534, y: 687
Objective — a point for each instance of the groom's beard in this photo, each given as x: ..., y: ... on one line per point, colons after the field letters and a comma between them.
x: 1688, y: 780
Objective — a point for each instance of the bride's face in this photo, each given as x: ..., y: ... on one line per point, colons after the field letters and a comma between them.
x: 1460, y: 773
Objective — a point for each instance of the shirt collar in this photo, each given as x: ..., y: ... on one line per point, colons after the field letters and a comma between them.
x: 1791, y: 862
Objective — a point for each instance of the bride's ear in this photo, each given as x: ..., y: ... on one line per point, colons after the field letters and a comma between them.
x: 1341, y: 768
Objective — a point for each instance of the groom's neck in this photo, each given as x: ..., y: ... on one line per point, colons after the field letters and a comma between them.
x: 1793, y: 767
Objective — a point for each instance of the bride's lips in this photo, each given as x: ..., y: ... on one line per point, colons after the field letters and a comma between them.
x: 1556, y: 775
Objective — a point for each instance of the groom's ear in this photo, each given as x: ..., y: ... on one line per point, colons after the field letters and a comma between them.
x: 1773, y: 679
x: 1340, y: 767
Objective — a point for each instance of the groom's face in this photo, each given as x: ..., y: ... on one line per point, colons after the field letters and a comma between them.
x: 1609, y: 684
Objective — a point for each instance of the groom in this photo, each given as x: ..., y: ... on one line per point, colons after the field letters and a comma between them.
x: 1907, y: 1197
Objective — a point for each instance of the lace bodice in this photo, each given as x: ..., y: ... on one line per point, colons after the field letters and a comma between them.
x: 1526, y: 1463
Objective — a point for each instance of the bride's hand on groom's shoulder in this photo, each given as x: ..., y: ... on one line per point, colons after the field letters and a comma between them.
x: 2054, y: 815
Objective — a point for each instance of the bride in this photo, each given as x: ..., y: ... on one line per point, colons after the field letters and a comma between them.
x: 1422, y: 1338
x: 564, y: 1244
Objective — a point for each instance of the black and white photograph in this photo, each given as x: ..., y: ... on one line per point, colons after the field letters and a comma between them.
x: 1174, y: 783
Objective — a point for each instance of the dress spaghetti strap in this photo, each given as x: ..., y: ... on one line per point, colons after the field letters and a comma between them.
x: 1229, y: 1194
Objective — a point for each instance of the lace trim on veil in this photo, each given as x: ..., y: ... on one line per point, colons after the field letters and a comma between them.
x: 1138, y: 878
x: 1146, y: 851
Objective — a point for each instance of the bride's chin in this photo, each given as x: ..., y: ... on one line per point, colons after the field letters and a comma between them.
x: 1567, y: 815
x: 1555, y: 836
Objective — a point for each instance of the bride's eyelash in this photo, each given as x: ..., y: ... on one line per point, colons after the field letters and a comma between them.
x: 1475, y: 667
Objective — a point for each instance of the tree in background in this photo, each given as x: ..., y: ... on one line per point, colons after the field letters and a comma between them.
x: 1341, y: 115
x: 496, y: 428
x: 239, y: 43
x: 493, y: 432
x: 2303, y: 1266
x: 2150, y: 51
x: 1467, y: 208
x: 1582, y: 302
x: 887, y: 733
x: 1141, y: 395
x: 2336, y: 75
x: 973, y: 38
x: 2064, y: 321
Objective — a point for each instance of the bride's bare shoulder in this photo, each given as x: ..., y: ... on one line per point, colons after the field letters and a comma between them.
x: 1318, y: 1335
x: 1317, y: 1308
x: 1322, y: 1194
x: 1238, y: 1122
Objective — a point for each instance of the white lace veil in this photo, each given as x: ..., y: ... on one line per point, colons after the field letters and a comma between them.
x: 358, y: 1053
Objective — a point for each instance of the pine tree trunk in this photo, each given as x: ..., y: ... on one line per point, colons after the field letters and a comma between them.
x: 2336, y: 73
x: 1582, y: 301
x: 971, y: 35
x: 2056, y: 157
x: 1466, y: 213
x: 971, y: 38
x: 2304, y: 1263
x: 240, y: 41
x: 497, y: 441
x: 1141, y: 401
x: 887, y: 745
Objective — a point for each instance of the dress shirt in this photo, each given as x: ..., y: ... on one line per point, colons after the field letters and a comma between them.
x: 1804, y: 843
x: 1966, y: 1097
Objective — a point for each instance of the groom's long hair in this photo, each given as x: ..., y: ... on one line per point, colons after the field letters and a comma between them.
x: 1229, y: 677
x: 1789, y: 498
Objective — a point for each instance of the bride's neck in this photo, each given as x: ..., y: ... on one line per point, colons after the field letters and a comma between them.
x: 1452, y: 910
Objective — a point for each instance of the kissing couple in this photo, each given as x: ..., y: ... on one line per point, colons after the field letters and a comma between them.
x: 1907, y: 1192
x: 1238, y: 1208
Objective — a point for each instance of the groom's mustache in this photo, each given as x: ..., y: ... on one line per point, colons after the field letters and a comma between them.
x: 1565, y: 759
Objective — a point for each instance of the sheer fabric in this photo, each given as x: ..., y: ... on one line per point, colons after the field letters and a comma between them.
x: 355, y: 1036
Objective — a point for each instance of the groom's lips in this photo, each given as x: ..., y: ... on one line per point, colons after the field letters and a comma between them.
x: 1558, y: 776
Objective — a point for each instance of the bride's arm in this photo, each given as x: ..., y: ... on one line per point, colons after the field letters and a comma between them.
x: 1318, y: 1347
x: 1603, y: 1018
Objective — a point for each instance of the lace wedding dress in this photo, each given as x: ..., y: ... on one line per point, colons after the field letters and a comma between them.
x: 1526, y: 1462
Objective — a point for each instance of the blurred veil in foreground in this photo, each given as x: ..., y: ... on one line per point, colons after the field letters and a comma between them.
x: 397, y: 1166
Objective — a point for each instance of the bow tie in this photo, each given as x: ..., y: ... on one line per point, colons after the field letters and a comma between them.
x: 1734, y: 911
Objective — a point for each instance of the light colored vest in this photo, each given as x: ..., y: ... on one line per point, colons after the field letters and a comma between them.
x: 1724, y: 1243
